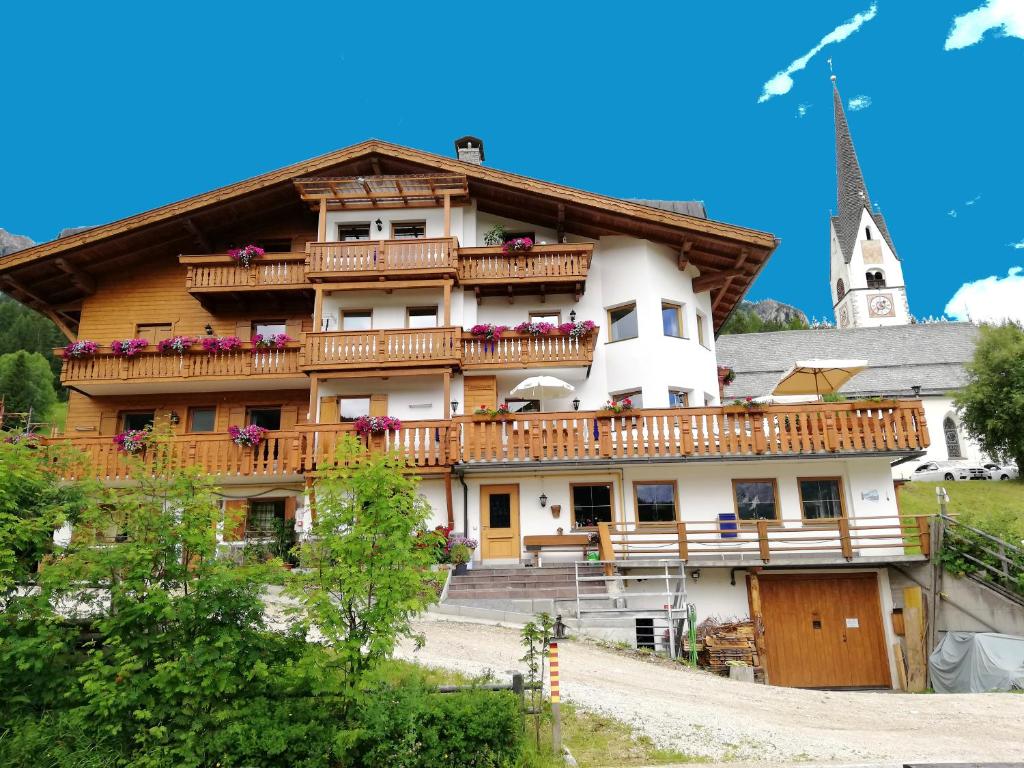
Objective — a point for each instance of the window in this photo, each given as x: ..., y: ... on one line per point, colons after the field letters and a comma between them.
x: 355, y: 231
x: 645, y: 633
x: 952, y: 438
x: 755, y: 500
x: 153, y: 332
x: 634, y: 395
x: 678, y: 398
x: 840, y: 289
x: 267, y: 328
x: 408, y: 230
x: 701, y: 331
x: 523, y: 406
x: 263, y: 517
x: 591, y: 504
x: 622, y: 321
x: 821, y: 498
x: 137, y: 420
x: 202, y: 418
x: 421, y: 317
x: 655, y: 502
x: 546, y: 317
x: 671, y: 319
x: 875, y: 279
x: 867, y: 233
x: 266, y: 417
x: 356, y: 320
x: 351, y: 408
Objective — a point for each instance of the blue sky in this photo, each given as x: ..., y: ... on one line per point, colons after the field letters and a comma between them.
x: 116, y: 109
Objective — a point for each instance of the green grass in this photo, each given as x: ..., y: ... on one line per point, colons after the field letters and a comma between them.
x: 57, y: 416
x: 994, y: 506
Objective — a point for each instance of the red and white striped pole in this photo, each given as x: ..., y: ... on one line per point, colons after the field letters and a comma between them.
x: 556, y: 708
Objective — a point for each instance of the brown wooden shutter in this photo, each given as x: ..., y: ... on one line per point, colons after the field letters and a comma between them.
x: 289, y: 416
x: 235, y: 511
x: 480, y: 391
x: 290, y: 503
x: 329, y: 410
x: 108, y: 423
x: 378, y: 405
x: 243, y: 330
x: 293, y: 327
x: 236, y: 415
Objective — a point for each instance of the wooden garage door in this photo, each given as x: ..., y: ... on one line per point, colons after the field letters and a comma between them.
x: 823, y: 631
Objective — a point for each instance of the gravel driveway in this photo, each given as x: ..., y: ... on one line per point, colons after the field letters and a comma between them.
x: 701, y: 714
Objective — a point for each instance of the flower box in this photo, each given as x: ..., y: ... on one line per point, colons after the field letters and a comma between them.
x: 247, y: 437
x: 132, y: 440
x: 488, y: 331
x: 517, y: 245
x: 274, y: 341
x: 376, y: 425
x: 214, y: 344
x: 79, y: 349
x: 176, y: 345
x: 128, y: 347
x: 246, y: 255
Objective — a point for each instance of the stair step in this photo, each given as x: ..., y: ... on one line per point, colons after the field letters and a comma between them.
x: 514, y: 594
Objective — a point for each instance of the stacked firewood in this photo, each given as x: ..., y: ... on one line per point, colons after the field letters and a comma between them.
x: 722, y: 641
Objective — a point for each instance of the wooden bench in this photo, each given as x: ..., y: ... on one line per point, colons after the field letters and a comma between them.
x: 566, y: 542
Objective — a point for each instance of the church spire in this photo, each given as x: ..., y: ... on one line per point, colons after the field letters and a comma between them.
x: 852, y: 192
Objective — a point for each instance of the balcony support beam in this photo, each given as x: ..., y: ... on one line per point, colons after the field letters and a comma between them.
x: 321, y: 226
x: 447, y: 302
x: 447, y: 214
x: 716, y: 279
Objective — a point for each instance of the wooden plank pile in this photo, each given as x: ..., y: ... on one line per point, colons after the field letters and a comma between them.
x: 719, y: 642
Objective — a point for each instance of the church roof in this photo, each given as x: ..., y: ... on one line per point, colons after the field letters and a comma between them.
x: 899, y: 357
x: 852, y: 191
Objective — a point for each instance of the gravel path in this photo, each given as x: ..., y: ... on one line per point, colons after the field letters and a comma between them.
x: 701, y: 714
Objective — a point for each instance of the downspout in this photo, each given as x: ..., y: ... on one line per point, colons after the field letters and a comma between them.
x: 465, y: 503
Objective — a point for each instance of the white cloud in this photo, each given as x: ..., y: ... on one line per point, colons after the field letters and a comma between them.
x: 1005, y: 16
x: 991, y: 299
x: 1019, y: 245
x: 951, y: 213
x: 801, y: 109
x: 973, y: 200
x: 782, y: 83
x: 857, y: 103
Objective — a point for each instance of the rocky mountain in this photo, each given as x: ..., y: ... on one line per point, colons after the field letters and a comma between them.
x: 772, y: 311
x: 9, y: 243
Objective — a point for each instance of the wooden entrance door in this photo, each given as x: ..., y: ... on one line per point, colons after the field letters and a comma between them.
x: 499, y: 522
x: 823, y: 631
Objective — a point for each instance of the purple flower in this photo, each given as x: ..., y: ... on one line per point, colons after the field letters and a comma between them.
x: 376, y: 425
x: 132, y: 440
x: 177, y: 345
x: 78, y: 349
x: 245, y: 256
x: 518, y: 244
x: 128, y: 347
x: 248, y: 437
x: 275, y: 341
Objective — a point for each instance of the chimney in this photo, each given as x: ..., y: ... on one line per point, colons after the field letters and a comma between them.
x: 470, y: 149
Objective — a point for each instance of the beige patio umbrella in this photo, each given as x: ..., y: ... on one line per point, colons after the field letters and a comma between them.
x: 818, y: 377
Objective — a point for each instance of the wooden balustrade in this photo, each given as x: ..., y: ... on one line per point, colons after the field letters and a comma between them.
x: 220, y: 272
x: 278, y: 455
x: 424, y: 444
x: 198, y: 364
x: 565, y: 262
x: 764, y: 540
x: 375, y: 259
x: 715, y: 432
x: 339, y: 350
x: 519, y: 350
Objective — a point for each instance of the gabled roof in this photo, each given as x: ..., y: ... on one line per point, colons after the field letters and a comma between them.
x: 930, y: 355
x: 852, y: 191
x: 711, y: 246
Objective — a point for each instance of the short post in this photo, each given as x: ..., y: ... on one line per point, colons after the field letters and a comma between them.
x: 556, y: 707
x: 520, y: 690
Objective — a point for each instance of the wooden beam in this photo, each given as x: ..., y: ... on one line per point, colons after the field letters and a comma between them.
x: 82, y: 280
x: 447, y: 393
x: 321, y: 227
x: 757, y: 617
x: 448, y: 302
x: 448, y: 498
x: 375, y: 164
x: 65, y: 324
x: 560, y: 227
x: 447, y: 214
x: 715, y: 279
x: 314, y: 399
x: 684, y: 254
x: 389, y: 285
x: 198, y: 234
x: 318, y: 309
x: 725, y: 286
x: 381, y: 373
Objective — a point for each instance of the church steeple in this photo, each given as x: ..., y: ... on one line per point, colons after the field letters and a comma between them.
x: 866, y: 274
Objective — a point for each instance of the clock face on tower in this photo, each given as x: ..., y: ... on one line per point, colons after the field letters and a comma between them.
x: 881, y: 306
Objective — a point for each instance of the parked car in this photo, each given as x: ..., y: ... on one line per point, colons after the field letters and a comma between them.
x: 1002, y: 472
x: 949, y: 470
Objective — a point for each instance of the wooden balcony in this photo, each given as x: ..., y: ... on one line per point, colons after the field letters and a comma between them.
x: 403, y: 347
x: 423, y: 444
x: 150, y: 370
x: 721, y: 542
x: 806, y: 430
x: 521, y: 350
x: 219, y: 282
x: 543, y: 269
x: 431, y: 257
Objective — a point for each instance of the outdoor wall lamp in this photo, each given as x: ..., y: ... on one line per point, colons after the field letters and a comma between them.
x: 208, y: 329
x: 916, y: 389
x: 380, y: 225
x: 572, y: 316
x: 455, y: 406
x: 174, y: 418
x: 695, y: 575
x: 543, y: 499
x: 576, y: 404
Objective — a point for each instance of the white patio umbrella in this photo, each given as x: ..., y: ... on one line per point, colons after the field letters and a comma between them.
x: 817, y: 377
x: 542, y: 388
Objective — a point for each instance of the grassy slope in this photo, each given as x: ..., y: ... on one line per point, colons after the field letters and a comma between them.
x: 996, y: 507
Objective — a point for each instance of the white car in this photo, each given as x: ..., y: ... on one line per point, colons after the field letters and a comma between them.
x: 1001, y: 472
x: 935, y: 471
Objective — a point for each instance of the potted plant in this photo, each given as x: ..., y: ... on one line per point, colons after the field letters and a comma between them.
x: 535, y: 329
x: 247, y: 437
x: 488, y: 331
x: 214, y: 344
x: 376, y: 425
x: 577, y: 329
x: 517, y: 244
x: 78, y: 349
x: 132, y: 440
x: 617, y: 406
x: 495, y: 235
x: 483, y: 412
x: 128, y: 347
x: 460, y: 552
x: 273, y: 341
x: 245, y: 256
x: 176, y: 345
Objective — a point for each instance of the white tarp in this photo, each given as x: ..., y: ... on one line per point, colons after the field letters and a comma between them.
x: 977, y: 662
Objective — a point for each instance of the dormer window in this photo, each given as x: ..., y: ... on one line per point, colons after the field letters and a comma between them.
x: 867, y: 233
x: 875, y: 278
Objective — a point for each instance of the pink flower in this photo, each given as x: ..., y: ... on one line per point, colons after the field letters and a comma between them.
x: 82, y: 348
x: 178, y: 345
x: 518, y: 244
x: 132, y: 440
x: 213, y: 344
x: 376, y: 425
x: 248, y: 437
x: 128, y: 347
x: 275, y: 341
x: 245, y: 256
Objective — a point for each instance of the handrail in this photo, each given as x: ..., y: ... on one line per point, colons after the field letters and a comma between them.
x: 1000, y: 563
x: 399, y: 346
x: 224, y: 258
x: 379, y: 258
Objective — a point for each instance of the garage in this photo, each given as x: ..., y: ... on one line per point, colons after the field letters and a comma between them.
x: 821, y: 630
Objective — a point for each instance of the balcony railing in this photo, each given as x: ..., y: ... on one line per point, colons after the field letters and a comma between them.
x: 151, y: 365
x: 560, y: 265
x: 348, y: 350
x: 718, y: 432
x: 521, y: 350
x: 377, y: 259
x: 221, y: 273
x: 424, y: 444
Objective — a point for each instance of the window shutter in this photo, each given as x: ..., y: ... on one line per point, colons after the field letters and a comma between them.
x: 234, y: 519
x: 289, y: 416
x: 243, y: 330
x: 289, y: 507
x: 378, y: 405
x: 236, y: 416
x: 293, y: 328
x: 480, y: 391
x: 328, y: 410
x: 108, y: 423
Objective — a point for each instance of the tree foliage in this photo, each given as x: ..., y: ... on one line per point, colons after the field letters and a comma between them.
x: 25, y: 329
x: 991, y: 406
x: 26, y: 383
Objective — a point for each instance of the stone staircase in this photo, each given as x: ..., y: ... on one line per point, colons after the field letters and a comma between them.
x: 524, y: 589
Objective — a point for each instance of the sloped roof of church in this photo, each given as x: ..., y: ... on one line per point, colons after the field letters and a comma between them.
x: 929, y: 355
x: 853, y: 195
